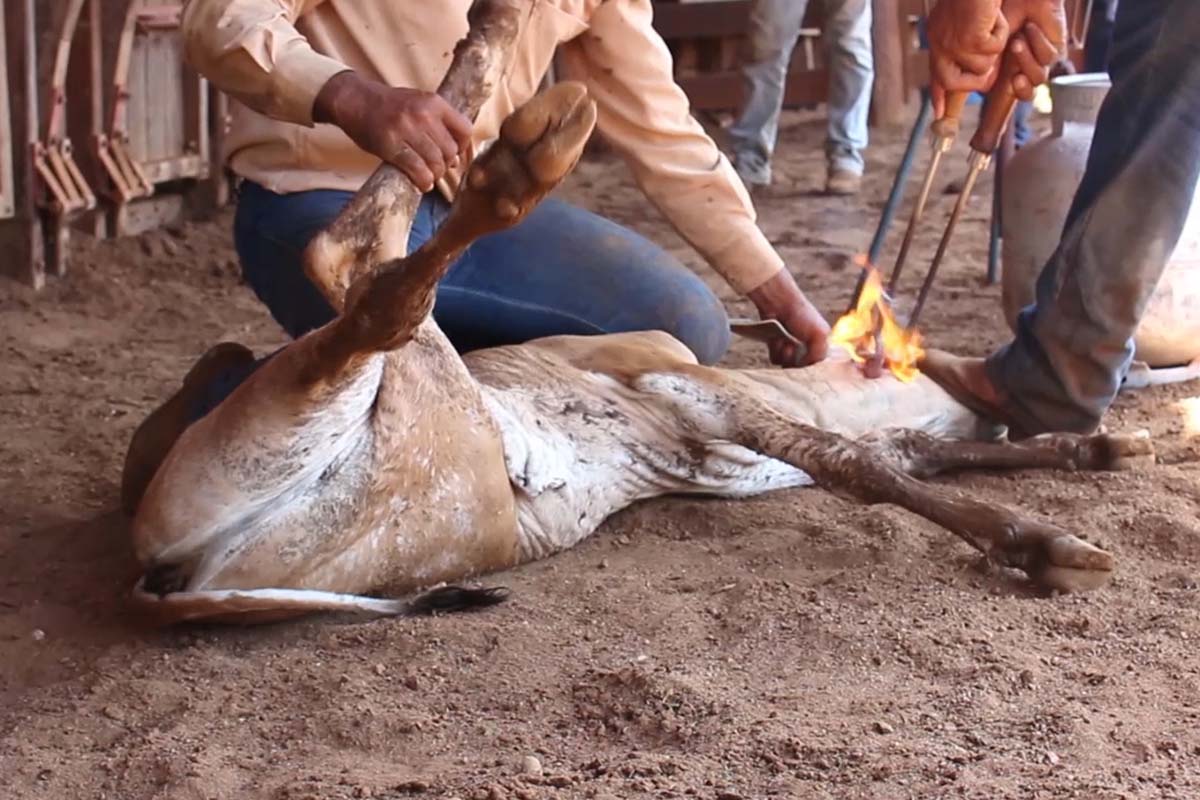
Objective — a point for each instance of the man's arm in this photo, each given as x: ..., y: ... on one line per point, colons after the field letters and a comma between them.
x: 646, y: 116
x: 251, y: 50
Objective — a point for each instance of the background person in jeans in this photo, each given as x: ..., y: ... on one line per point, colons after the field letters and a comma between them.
x: 774, y: 29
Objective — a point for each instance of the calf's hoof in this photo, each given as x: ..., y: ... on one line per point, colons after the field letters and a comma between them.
x: 1119, y: 451
x: 1058, y: 561
x: 538, y: 145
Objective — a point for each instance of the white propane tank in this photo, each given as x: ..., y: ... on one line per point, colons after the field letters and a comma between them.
x: 1039, y: 183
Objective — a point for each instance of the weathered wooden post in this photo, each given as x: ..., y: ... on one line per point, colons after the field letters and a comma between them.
x: 21, y: 229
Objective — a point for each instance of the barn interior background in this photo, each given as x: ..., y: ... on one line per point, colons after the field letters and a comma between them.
x: 103, y: 129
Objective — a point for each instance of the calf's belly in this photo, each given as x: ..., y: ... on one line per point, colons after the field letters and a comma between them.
x: 835, y: 396
x: 578, y: 450
x: 440, y: 505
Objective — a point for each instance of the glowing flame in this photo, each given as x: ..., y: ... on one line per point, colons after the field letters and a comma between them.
x: 1189, y: 409
x: 855, y: 332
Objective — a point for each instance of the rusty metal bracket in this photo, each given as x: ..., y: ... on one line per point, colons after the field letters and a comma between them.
x: 128, y: 178
x: 130, y: 165
x: 67, y: 191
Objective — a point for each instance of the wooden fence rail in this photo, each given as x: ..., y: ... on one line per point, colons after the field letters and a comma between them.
x: 102, y: 128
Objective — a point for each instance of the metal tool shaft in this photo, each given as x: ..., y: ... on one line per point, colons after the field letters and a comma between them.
x: 997, y: 112
x: 940, y: 146
x: 915, y: 139
x: 945, y: 130
x: 977, y: 163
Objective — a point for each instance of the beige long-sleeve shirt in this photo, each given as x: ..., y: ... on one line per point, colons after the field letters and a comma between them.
x: 275, y: 55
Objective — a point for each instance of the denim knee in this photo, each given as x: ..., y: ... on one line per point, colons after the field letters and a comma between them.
x: 700, y: 321
x: 271, y: 232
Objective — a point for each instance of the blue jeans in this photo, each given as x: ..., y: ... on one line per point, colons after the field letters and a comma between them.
x: 1073, y: 347
x: 774, y: 28
x: 562, y: 270
x: 1020, y: 123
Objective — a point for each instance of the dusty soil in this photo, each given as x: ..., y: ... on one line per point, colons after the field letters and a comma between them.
x: 796, y: 645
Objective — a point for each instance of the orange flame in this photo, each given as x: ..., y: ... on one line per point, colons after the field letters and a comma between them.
x: 855, y: 332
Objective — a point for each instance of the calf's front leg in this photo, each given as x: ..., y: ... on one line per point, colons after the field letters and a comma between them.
x: 922, y: 456
x: 373, y: 229
x: 538, y: 145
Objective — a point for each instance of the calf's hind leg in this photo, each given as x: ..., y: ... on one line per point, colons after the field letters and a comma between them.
x: 538, y: 145
x: 882, y: 469
x: 372, y: 230
x: 386, y: 308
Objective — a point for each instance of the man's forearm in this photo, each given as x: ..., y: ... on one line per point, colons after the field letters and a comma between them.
x: 251, y: 50
x: 417, y: 131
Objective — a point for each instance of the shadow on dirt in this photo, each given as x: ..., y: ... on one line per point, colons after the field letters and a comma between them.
x: 62, y: 600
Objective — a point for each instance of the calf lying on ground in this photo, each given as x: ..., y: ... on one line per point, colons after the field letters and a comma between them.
x: 369, y: 458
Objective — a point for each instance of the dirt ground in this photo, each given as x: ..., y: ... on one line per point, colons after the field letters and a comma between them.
x: 795, y: 645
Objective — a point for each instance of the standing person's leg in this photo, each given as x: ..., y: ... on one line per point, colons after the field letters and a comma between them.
x: 774, y: 28
x: 1074, y: 345
x: 851, y: 75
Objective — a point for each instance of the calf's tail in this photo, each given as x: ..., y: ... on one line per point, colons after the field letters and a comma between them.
x: 254, y: 606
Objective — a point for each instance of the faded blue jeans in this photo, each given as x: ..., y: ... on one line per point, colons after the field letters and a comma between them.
x: 562, y: 270
x: 774, y: 29
x: 1073, y: 347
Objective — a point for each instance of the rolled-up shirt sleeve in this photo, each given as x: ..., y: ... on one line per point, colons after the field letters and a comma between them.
x: 646, y: 116
x: 251, y: 50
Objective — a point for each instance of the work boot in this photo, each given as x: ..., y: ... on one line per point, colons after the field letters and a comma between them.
x: 157, y: 434
x: 843, y: 182
x: 967, y: 381
x: 754, y: 170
